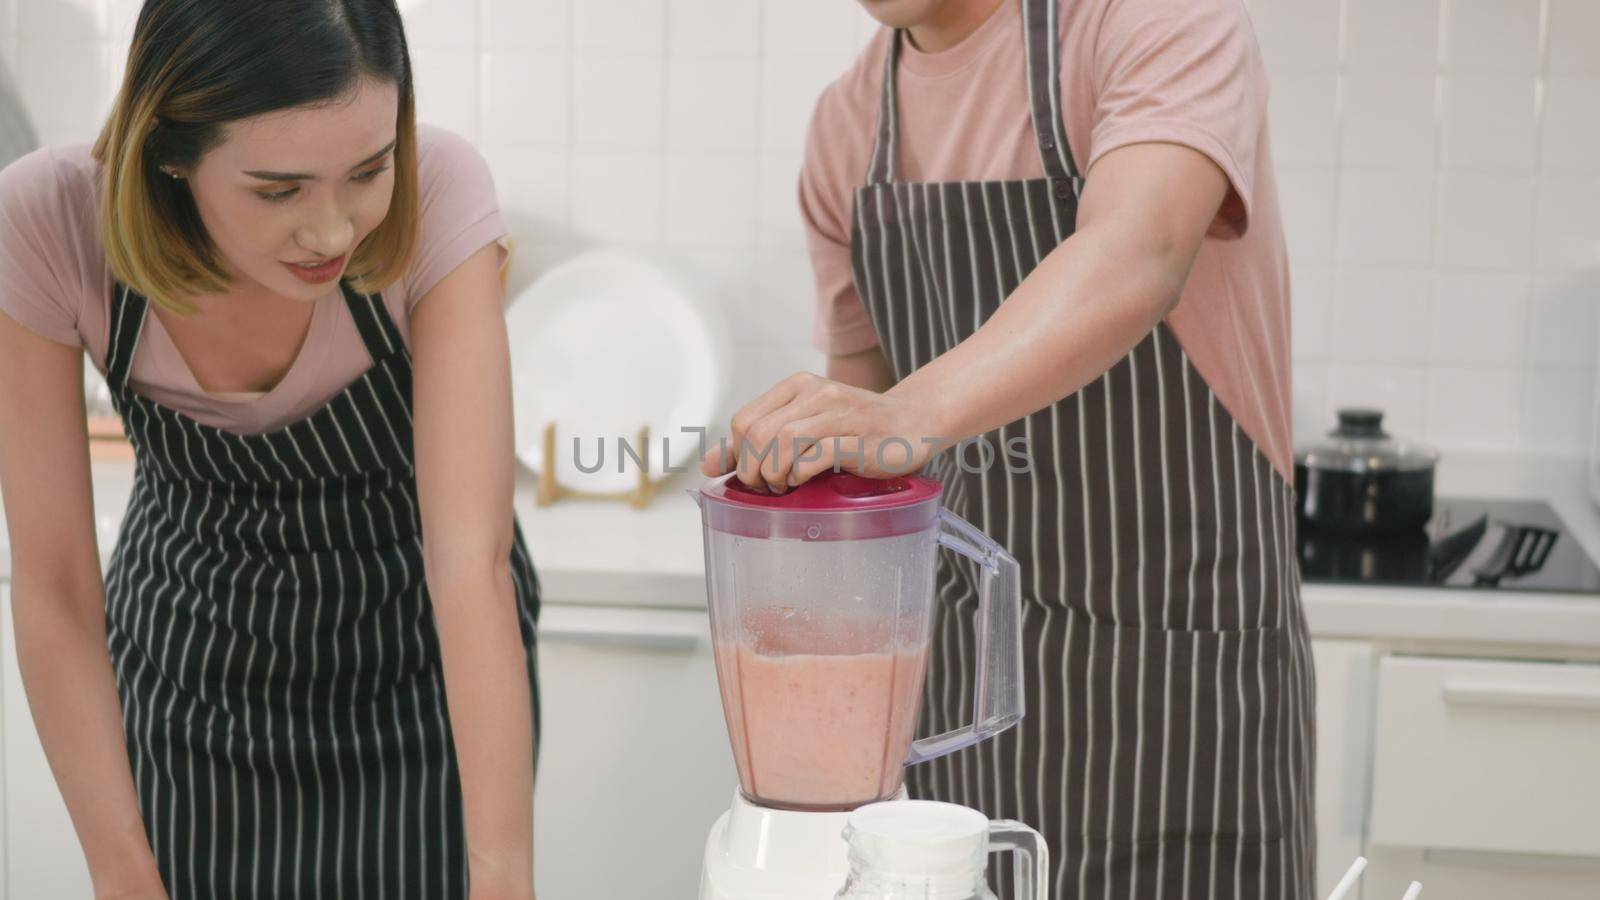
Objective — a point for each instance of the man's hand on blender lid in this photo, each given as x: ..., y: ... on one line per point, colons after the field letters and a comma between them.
x: 805, y: 424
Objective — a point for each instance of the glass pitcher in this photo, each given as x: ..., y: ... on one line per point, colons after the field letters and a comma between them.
x: 922, y: 850
x: 822, y: 605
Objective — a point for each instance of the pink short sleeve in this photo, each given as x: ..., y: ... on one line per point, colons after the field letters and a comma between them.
x: 1183, y: 73
x: 836, y: 158
x: 460, y: 212
x: 40, y: 279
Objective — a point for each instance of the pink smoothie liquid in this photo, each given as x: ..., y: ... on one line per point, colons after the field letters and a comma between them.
x: 819, y: 730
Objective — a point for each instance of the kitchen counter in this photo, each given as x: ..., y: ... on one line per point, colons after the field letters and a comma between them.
x: 607, y: 554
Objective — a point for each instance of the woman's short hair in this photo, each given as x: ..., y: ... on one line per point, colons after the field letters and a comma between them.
x: 197, y: 65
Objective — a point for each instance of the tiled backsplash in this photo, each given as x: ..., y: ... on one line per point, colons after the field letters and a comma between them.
x: 1439, y: 165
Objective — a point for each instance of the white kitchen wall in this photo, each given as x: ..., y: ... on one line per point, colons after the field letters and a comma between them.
x: 1439, y: 166
x: 1440, y: 170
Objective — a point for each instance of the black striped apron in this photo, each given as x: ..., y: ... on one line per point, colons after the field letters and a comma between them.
x: 275, y: 647
x: 1167, y: 746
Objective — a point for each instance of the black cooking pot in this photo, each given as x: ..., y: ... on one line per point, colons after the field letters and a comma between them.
x: 1359, y: 480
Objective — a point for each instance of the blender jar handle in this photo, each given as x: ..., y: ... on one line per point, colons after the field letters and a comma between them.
x: 1030, y: 857
x: 997, y: 693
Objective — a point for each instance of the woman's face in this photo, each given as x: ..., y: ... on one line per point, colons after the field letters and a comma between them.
x: 300, y: 186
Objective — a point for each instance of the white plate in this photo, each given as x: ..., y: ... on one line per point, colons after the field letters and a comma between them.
x: 604, y: 344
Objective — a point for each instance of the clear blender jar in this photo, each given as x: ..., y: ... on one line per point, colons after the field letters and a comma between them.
x: 822, y: 605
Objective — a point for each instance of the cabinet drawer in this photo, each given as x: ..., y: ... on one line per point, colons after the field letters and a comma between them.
x: 1490, y: 756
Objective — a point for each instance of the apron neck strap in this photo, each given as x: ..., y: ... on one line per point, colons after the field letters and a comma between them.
x: 1040, y: 28
x: 881, y: 171
x: 1040, y: 33
x: 377, y: 328
x: 127, y: 323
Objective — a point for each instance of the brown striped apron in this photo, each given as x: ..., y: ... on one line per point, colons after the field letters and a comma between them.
x: 1167, y: 748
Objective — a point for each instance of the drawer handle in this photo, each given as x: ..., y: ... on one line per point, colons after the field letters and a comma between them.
x: 607, y: 627
x: 1523, y: 696
x: 619, y: 637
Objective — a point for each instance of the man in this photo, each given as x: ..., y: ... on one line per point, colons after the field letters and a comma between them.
x: 1056, y: 220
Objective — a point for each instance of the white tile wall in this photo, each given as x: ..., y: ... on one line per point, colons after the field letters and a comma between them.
x: 1303, y: 112
x: 1571, y: 125
x: 633, y: 25
x: 1399, y: 298
x: 1475, y: 407
x: 714, y: 27
x: 1488, y: 122
x: 1574, y: 37
x: 1464, y: 166
x: 1479, y: 318
x: 1389, y: 119
x: 62, y: 18
x: 1386, y: 217
x: 1394, y: 35
x: 713, y: 104
x: 533, y: 89
x: 1492, y: 36
x: 1439, y: 171
x: 1568, y: 235
x: 527, y: 25
x: 1298, y: 35
x: 710, y: 199
x: 1485, y: 220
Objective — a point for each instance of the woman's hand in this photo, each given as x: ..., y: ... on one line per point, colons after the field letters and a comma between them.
x: 806, y: 424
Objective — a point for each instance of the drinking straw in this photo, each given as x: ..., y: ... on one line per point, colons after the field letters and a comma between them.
x: 1413, y: 891
x: 1349, y: 879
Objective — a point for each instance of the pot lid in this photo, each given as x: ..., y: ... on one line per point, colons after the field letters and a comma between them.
x: 1360, y: 444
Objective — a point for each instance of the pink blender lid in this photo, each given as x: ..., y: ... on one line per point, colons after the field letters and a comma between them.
x: 830, y: 506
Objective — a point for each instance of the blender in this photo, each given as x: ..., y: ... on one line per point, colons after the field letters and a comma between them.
x: 822, y: 606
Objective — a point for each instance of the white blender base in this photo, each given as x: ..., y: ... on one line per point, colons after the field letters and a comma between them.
x: 755, y: 853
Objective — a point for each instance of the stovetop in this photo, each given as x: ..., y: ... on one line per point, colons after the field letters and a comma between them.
x: 1516, y: 545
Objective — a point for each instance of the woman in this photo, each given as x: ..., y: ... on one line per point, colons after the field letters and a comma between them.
x: 1127, y: 322
x: 320, y: 612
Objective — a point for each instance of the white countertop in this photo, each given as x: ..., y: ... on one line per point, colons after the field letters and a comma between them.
x: 607, y: 554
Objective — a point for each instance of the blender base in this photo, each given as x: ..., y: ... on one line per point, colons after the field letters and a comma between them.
x: 756, y: 853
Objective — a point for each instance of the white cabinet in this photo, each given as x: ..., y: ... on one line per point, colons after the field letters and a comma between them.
x: 42, y: 855
x: 1486, y: 778
x: 1344, y: 741
x: 635, y: 764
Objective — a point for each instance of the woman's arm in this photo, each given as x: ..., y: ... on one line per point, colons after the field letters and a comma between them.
x: 465, y: 479
x: 1141, y: 219
x: 58, y: 607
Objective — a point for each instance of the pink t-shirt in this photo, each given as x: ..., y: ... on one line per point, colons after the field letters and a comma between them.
x: 1133, y: 71
x: 55, y: 281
